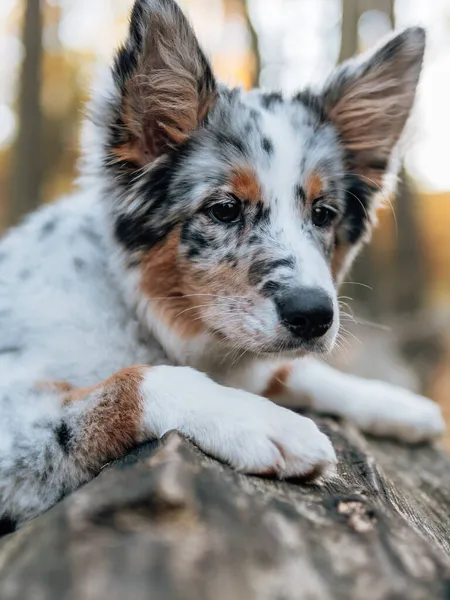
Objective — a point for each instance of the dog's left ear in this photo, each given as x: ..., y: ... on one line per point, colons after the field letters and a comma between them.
x: 165, y: 84
x: 369, y: 100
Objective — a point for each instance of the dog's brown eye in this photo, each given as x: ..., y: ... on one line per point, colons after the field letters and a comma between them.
x: 322, y: 216
x: 227, y: 212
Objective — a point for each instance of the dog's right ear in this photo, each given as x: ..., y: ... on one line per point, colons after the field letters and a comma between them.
x: 165, y: 84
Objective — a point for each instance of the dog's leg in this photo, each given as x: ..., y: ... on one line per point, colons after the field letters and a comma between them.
x: 64, y: 435
x: 376, y: 407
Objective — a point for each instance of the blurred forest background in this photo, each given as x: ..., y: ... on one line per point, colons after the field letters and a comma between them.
x: 399, y: 290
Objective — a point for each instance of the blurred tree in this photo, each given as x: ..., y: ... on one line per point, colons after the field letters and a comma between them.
x: 351, y: 14
x: 254, y: 43
x: 26, y: 175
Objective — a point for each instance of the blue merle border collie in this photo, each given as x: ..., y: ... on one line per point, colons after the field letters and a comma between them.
x: 194, y: 273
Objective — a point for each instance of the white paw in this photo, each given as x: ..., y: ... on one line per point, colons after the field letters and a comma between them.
x: 386, y: 410
x: 246, y: 431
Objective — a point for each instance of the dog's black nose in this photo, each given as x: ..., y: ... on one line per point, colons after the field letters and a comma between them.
x: 306, y: 312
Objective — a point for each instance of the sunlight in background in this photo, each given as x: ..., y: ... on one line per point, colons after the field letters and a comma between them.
x: 299, y: 40
x: 299, y: 44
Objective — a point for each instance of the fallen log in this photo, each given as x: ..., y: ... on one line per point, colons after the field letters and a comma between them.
x: 169, y: 523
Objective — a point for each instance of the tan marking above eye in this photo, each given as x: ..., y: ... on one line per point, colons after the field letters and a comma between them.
x: 314, y: 187
x: 245, y: 184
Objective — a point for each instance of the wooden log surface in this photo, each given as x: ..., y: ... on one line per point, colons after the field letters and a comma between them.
x: 169, y: 523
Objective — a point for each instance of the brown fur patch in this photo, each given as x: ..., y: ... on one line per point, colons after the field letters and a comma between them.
x: 170, y: 92
x: 277, y: 383
x: 314, y: 187
x: 162, y: 279
x: 54, y: 386
x: 245, y: 185
x: 114, y: 423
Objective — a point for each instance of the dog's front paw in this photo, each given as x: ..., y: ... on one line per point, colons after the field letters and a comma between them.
x: 248, y: 432
x: 270, y: 440
x: 386, y: 410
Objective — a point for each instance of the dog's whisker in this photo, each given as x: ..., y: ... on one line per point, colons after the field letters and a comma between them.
x: 347, y: 332
x: 357, y: 283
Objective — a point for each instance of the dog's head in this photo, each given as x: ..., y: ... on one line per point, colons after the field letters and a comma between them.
x: 239, y: 211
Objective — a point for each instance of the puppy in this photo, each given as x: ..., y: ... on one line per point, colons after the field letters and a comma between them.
x: 194, y: 273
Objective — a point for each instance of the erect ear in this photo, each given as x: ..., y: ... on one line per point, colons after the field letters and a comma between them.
x: 165, y: 84
x: 369, y: 100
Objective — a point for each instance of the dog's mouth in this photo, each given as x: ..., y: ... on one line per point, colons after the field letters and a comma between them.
x: 288, y: 347
x: 297, y: 348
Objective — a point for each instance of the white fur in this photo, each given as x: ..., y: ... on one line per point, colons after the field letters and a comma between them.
x: 247, y: 431
x: 376, y: 407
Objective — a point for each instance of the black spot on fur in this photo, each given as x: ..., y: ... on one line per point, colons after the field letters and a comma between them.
x: 63, y: 437
x: 88, y: 231
x: 196, y: 241
x: 357, y: 200
x: 269, y: 101
x: 136, y: 234
x: 254, y: 239
x: 261, y: 268
x: 11, y: 350
x: 225, y: 140
x: 7, y: 525
x: 25, y: 274
x: 79, y: 264
x: 267, y: 146
x: 299, y: 193
x: 313, y: 103
x: 124, y: 66
x: 229, y: 258
x: 262, y: 213
x: 127, y: 57
x: 48, y: 228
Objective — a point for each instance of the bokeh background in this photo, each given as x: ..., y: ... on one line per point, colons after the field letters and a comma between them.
x: 399, y: 291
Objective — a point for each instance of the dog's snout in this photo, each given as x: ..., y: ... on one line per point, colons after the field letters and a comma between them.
x: 306, y: 312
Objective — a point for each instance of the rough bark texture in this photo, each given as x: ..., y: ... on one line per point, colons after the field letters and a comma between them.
x: 168, y: 523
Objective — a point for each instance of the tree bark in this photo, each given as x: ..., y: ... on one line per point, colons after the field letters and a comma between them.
x: 169, y: 523
x: 27, y: 167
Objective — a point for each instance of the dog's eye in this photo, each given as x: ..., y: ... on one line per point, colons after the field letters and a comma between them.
x: 229, y: 211
x: 323, y: 216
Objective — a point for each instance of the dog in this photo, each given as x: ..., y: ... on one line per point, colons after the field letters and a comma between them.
x: 191, y: 281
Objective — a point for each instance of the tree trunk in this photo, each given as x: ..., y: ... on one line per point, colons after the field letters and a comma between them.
x: 349, y: 30
x: 409, y: 280
x: 254, y: 44
x: 27, y: 172
x: 168, y: 523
